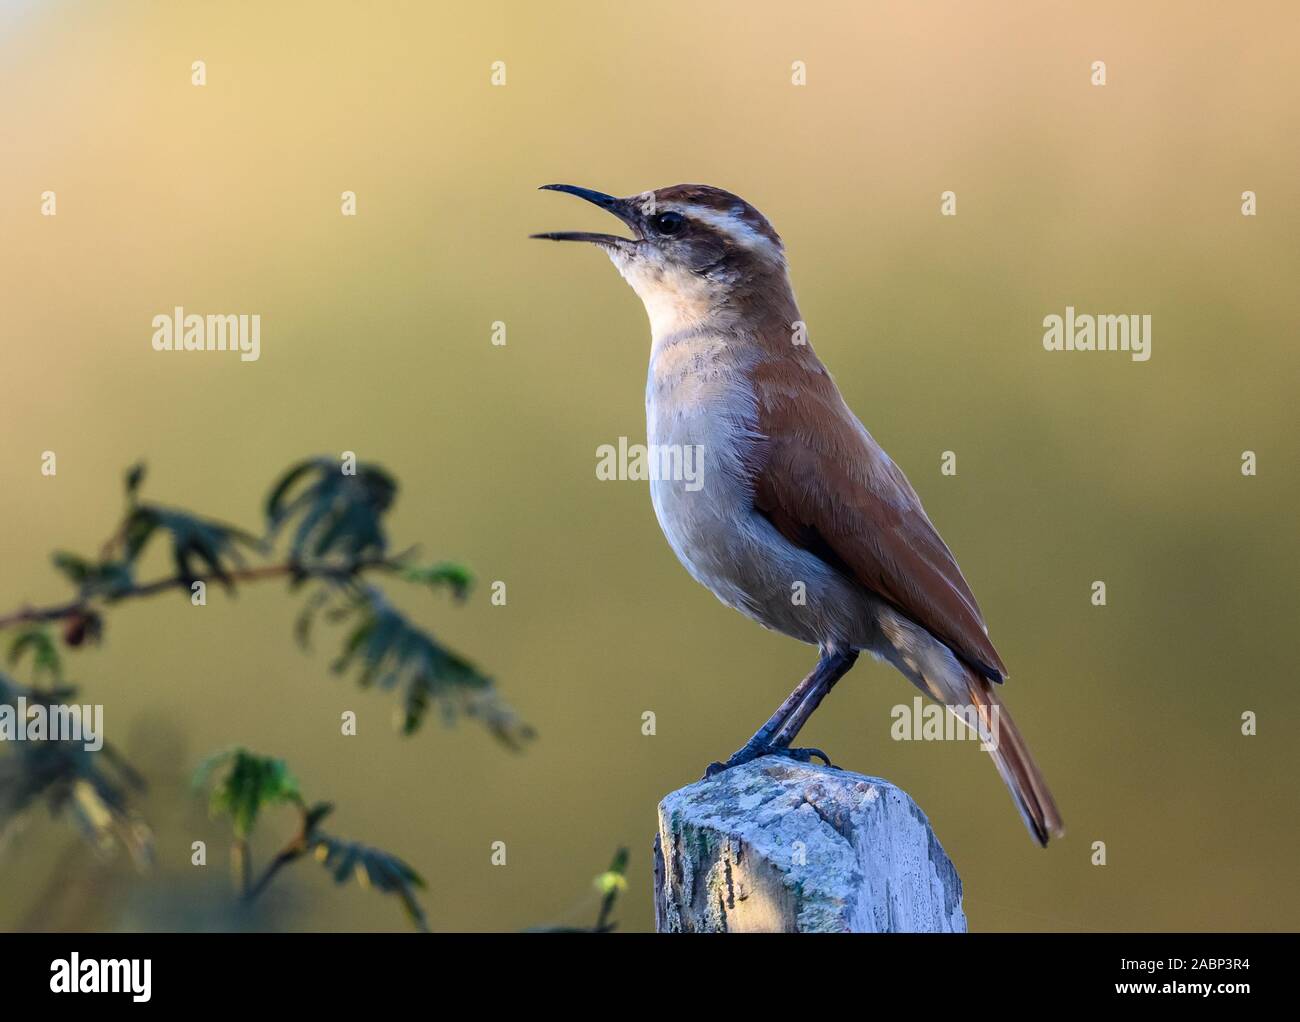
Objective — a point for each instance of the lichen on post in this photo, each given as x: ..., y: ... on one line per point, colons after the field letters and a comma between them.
x: 780, y: 846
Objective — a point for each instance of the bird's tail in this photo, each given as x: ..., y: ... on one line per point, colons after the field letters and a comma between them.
x: 1015, y: 764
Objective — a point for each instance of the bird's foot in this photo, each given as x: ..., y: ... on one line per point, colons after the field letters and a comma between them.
x: 805, y: 755
x: 745, y: 754
x: 713, y: 769
x: 750, y: 753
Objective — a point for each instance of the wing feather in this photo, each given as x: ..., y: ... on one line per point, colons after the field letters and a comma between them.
x: 829, y: 488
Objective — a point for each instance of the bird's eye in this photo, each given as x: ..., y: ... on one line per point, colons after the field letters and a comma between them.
x: 668, y: 223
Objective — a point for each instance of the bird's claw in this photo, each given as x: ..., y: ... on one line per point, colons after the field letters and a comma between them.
x: 805, y: 755
x: 740, y: 756
x: 747, y: 755
x: 713, y: 769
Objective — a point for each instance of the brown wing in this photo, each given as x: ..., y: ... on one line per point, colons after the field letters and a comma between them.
x: 827, y: 486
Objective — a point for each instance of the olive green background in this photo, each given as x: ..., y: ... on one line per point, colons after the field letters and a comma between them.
x: 376, y: 338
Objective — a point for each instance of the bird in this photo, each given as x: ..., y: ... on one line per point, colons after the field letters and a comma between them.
x: 795, y: 496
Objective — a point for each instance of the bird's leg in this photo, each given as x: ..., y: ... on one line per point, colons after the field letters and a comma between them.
x: 757, y: 745
x: 831, y: 666
x: 836, y: 665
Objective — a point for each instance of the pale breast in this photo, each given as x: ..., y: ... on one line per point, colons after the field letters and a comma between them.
x: 700, y: 411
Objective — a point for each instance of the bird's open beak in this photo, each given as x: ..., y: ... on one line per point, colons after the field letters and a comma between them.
x: 624, y: 209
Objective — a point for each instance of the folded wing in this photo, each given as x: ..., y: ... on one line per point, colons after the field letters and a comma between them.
x: 827, y: 486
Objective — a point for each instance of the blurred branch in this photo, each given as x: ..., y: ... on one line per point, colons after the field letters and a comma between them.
x: 254, y: 782
x: 95, y: 790
x: 291, y: 570
x: 332, y: 515
x: 332, y: 518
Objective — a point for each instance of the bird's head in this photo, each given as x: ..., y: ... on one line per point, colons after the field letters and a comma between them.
x: 696, y: 251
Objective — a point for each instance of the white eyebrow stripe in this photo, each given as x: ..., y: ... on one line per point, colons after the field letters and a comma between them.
x: 731, y: 225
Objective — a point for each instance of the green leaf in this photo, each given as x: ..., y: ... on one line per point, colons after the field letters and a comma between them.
x: 453, y: 576
x: 315, y: 814
x: 77, y: 569
x: 383, y: 647
x: 109, y: 579
x: 45, y: 654
x: 251, y: 784
x: 200, y: 546
x: 371, y: 867
x: 134, y: 477
x: 306, y: 618
x: 338, y: 515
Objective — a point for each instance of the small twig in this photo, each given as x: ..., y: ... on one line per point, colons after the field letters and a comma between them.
x: 114, y: 541
x: 240, y: 865
x: 59, y: 611
x: 291, y: 852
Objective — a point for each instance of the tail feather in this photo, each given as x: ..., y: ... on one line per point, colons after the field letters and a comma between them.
x: 1015, y: 764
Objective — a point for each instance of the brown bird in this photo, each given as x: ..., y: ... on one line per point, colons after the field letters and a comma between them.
x: 798, y: 519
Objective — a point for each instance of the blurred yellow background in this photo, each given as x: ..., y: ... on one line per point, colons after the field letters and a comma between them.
x: 376, y: 338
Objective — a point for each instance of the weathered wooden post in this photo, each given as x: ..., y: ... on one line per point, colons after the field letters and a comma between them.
x: 781, y: 846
